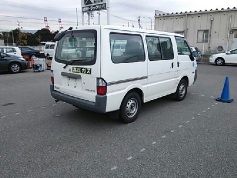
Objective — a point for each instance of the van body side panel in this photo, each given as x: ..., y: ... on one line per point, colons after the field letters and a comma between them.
x: 120, y: 77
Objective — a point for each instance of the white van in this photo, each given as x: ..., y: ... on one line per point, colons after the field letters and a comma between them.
x: 151, y: 66
x: 49, y: 49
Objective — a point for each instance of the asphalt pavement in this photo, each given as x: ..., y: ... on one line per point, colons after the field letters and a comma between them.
x: 196, y: 137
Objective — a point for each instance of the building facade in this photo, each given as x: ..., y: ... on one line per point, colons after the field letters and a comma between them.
x: 209, y: 30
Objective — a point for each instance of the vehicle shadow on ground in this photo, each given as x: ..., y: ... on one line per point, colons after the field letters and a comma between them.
x: 88, y: 118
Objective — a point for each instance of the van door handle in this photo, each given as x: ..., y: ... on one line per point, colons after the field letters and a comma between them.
x: 172, y: 65
x: 177, y: 64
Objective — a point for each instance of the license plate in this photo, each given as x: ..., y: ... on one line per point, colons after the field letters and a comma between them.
x: 81, y: 70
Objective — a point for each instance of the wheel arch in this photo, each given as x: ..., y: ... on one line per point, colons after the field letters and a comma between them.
x: 186, y: 79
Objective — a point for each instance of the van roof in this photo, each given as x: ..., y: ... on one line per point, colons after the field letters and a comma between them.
x: 130, y: 29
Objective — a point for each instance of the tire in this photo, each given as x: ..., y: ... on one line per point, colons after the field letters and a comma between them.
x: 220, y: 62
x: 14, y: 68
x: 130, y: 107
x: 181, y: 91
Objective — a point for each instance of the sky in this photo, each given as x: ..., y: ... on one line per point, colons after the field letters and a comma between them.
x: 29, y: 14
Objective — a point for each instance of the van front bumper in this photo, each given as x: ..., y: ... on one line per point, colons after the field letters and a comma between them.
x: 98, y: 106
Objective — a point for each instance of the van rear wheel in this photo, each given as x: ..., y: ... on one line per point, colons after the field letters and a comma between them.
x: 130, y: 107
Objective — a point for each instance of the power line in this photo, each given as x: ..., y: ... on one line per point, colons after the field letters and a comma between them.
x: 135, y: 5
x: 9, y: 4
x: 9, y: 16
x: 121, y: 17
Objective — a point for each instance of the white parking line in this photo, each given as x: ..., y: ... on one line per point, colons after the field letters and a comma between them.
x: 193, y: 118
x: 204, y: 111
x: 30, y: 110
x: 199, y: 114
x: 58, y: 115
x: 216, y: 103
x: 187, y: 122
x: 153, y: 143
x: 172, y: 131
x: 213, y: 105
x: 54, y: 105
x: 114, y: 168
x: 208, y: 108
x: 202, y: 95
x: 129, y: 158
x: 180, y: 126
x: 142, y: 150
x: 2, y: 117
x: 17, y: 113
x: 163, y: 136
x: 43, y: 107
x: 192, y: 93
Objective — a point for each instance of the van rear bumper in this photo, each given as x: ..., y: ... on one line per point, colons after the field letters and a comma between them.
x: 98, y: 106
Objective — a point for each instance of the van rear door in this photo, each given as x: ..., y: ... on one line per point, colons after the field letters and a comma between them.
x: 76, y: 65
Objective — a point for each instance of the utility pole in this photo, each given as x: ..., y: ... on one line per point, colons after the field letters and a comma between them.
x: 139, y: 22
x: 89, y: 18
x: 108, y: 12
x: 98, y: 17
x: 12, y: 39
x: 77, y: 16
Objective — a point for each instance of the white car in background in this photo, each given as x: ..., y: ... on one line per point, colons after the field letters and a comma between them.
x: 49, y: 49
x: 230, y: 57
x: 13, y: 50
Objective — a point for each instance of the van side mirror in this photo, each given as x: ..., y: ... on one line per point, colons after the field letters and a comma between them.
x: 228, y: 52
x: 195, y: 54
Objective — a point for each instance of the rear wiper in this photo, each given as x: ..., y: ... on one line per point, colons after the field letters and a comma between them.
x: 72, y: 61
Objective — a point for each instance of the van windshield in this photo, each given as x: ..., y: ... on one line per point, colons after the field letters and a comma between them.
x: 77, y: 45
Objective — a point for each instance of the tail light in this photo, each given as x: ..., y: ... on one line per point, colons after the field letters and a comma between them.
x: 52, y: 77
x: 101, y: 86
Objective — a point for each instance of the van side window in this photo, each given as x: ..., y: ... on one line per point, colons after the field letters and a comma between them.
x: 153, y: 47
x: 182, y: 46
x: 46, y: 46
x: 52, y: 46
x: 166, y: 48
x: 126, y: 48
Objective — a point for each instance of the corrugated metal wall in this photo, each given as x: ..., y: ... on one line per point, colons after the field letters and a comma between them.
x: 222, y: 26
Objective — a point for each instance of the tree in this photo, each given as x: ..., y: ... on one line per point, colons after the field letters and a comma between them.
x: 44, y: 35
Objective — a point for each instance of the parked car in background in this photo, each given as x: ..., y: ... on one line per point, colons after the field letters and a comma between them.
x: 230, y: 57
x: 49, y: 49
x: 28, y: 52
x: 12, y: 63
x: 11, y: 50
x: 199, y: 54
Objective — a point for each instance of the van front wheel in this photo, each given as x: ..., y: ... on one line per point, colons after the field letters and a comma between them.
x: 130, y: 107
x: 181, y: 90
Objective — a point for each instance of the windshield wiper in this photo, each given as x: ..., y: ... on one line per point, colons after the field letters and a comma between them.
x: 71, y: 62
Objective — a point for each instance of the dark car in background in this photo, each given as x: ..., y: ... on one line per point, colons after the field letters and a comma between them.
x: 28, y: 52
x: 11, y: 63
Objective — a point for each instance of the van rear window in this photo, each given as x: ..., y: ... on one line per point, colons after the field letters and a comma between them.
x: 77, y: 45
x: 126, y: 48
